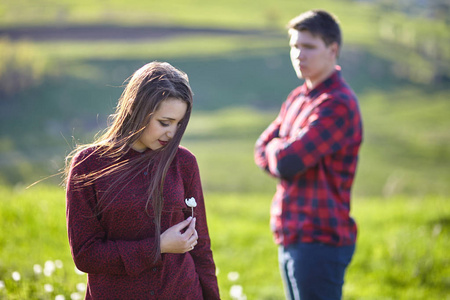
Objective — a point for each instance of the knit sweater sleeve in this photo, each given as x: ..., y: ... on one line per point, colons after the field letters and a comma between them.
x: 91, y: 249
x: 202, y: 254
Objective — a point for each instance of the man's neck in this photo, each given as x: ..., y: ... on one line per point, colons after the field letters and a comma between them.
x: 311, y: 84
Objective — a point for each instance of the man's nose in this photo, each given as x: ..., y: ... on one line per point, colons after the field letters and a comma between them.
x: 296, y: 53
x: 300, y: 54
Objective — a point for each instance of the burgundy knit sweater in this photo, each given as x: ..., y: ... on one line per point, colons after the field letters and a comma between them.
x: 114, y: 243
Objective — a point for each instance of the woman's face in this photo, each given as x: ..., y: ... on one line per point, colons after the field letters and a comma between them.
x: 162, y: 126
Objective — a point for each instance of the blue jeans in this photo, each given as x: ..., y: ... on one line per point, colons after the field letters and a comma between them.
x: 313, y: 271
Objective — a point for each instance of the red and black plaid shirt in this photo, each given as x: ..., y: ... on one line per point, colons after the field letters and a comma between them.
x: 312, y: 147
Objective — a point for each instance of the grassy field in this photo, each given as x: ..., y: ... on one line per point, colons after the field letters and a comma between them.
x: 403, y: 229
x: 406, y: 146
x: 401, y: 252
x: 401, y: 190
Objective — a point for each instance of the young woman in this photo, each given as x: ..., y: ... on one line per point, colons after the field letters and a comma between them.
x: 129, y: 226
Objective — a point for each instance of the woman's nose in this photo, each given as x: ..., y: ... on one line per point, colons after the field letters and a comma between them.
x: 171, y: 132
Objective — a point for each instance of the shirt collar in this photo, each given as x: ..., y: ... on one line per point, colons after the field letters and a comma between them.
x: 324, y: 85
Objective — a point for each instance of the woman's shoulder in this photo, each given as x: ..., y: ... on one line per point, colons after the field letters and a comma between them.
x: 86, y: 153
x: 88, y: 157
x: 185, y: 156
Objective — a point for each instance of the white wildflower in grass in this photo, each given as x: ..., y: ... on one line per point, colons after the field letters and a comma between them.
x: 59, y: 264
x: 76, y: 296
x: 60, y: 297
x: 191, y: 203
x: 79, y: 272
x: 233, y: 276
x: 2, y: 284
x: 49, y: 268
x: 237, y: 292
x: 48, y: 288
x: 37, y: 269
x: 15, y: 276
x: 437, y: 229
x: 81, y: 287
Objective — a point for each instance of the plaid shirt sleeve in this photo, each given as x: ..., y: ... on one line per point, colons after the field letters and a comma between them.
x: 272, y: 132
x: 268, y: 135
x: 327, y: 129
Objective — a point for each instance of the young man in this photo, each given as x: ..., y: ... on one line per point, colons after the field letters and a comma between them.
x: 312, y: 148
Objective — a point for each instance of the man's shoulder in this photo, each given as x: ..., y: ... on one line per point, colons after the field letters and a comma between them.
x: 343, y: 89
x: 339, y: 91
x: 297, y: 91
x: 342, y: 97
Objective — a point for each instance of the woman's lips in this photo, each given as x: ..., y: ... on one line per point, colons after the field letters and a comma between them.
x: 163, y: 143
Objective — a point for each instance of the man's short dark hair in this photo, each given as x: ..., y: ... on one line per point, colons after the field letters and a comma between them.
x: 319, y: 23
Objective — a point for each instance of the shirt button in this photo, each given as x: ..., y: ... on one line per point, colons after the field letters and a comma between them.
x: 145, y: 173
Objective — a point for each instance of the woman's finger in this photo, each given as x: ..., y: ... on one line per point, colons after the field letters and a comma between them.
x: 191, y: 229
x: 183, y: 224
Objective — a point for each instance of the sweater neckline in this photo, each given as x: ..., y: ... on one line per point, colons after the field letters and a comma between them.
x: 132, y: 153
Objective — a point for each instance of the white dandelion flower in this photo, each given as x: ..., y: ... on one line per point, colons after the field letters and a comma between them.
x: 60, y: 297
x: 49, y: 268
x: 2, y: 284
x: 237, y: 292
x: 37, y: 269
x: 81, y: 287
x: 233, y: 276
x: 79, y: 272
x: 191, y: 203
x: 48, y: 288
x: 59, y: 264
x: 15, y: 276
x: 76, y: 296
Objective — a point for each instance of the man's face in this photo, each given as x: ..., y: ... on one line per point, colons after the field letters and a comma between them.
x: 311, y: 58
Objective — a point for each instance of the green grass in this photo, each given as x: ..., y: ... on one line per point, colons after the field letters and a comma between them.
x: 203, y: 46
x: 401, y: 189
x: 401, y: 251
x: 406, y: 149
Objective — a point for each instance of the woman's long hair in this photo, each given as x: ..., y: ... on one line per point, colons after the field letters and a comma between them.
x: 146, y: 90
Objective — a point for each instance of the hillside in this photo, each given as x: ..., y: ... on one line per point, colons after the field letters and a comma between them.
x: 62, y: 74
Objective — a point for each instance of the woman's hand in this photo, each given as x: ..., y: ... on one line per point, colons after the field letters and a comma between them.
x: 174, y: 241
